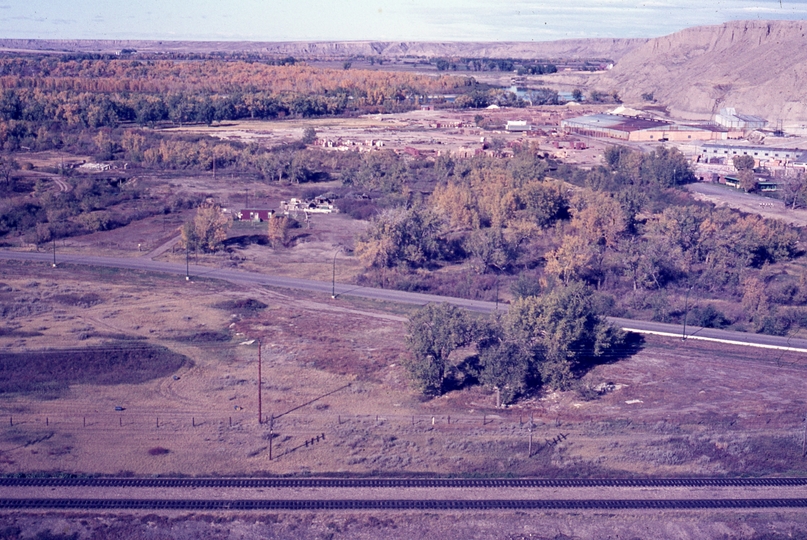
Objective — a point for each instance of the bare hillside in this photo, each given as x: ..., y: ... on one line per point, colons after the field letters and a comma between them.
x: 572, y: 48
x: 759, y: 67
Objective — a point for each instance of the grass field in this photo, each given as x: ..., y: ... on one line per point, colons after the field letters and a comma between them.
x: 189, y: 389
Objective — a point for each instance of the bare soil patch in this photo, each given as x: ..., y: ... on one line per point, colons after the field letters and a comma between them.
x: 721, y: 195
x: 51, y: 372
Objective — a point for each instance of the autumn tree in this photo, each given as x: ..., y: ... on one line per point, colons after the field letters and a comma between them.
x: 748, y: 180
x: 575, y: 259
x: 278, y: 229
x: 793, y: 190
x: 208, y: 230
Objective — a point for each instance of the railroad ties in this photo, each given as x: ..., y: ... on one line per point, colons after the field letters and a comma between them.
x: 396, y: 504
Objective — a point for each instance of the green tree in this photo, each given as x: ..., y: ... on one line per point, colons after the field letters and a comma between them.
x: 434, y: 332
x: 544, y: 202
x: 507, y: 367
x: 743, y: 163
x: 490, y: 249
x: 309, y: 135
x: 573, y: 333
x: 562, y: 332
x: 7, y: 168
x: 401, y: 237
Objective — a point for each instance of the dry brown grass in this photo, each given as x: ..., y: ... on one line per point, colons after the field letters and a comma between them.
x: 673, y: 409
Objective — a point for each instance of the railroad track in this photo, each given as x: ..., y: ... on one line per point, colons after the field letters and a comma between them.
x: 367, y: 504
x: 399, y: 482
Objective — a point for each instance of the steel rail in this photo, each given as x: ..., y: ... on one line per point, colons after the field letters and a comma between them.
x: 398, y: 482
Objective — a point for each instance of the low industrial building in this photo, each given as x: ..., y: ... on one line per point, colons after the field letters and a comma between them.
x: 629, y: 128
x: 728, y: 117
x: 724, y: 153
x: 518, y: 126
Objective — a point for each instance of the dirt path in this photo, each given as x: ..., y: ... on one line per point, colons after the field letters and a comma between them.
x: 64, y: 187
x: 159, y: 250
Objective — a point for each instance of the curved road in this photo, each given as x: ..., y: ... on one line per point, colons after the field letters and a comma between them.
x: 254, y: 278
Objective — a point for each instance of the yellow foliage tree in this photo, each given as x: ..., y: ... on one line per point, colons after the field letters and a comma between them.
x: 278, y: 230
x: 573, y: 260
x: 208, y: 230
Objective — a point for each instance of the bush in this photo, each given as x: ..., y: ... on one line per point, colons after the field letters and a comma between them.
x: 364, y: 209
x: 708, y: 317
x: 242, y: 306
x: 525, y: 285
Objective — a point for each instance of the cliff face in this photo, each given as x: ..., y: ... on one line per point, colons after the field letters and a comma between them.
x: 572, y: 48
x: 759, y: 67
x: 613, y: 49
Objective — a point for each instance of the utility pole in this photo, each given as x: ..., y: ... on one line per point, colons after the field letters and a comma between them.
x: 54, y: 252
x: 271, y: 434
x: 187, y: 262
x: 804, y: 438
x: 260, y: 413
x: 686, y: 312
x: 333, y: 273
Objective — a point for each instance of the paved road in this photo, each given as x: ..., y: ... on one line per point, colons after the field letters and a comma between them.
x: 254, y: 278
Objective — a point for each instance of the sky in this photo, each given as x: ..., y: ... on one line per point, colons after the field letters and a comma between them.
x: 382, y: 20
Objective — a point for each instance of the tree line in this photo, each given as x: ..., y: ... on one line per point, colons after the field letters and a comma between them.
x: 106, y: 93
x: 624, y: 228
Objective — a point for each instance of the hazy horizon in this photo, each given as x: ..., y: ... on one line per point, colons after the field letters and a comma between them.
x: 381, y: 20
